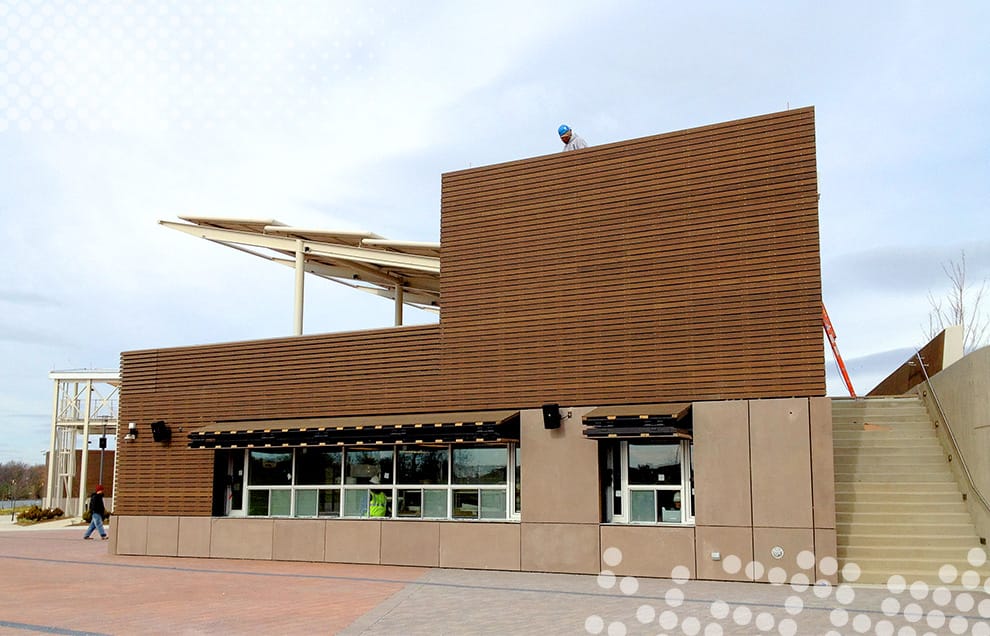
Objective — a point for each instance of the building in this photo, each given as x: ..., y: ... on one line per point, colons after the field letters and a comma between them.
x: 629, y: 356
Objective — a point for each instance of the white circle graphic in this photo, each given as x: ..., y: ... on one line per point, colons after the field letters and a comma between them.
x: 958, y: 625
x: 777, y: 576
x: 765, y: 621
x: 674, y: 597
x: 838, y: 617
x: 742, y: 615
x: 976, y: 557
x: 754, y: 570
x: 668, y: 619
x: 646, y: 614
x: 970, y: 579
x: 787, y: 627
x: 828, y: 566
x: 913, y: 612
x: 606, y: 580
x: 799, y: 582
x: 612, y: 557
x: 851, y: 572
x: 713, y: 629
x: 629, y: 585
x: 690, y: 626
x: 680, y: 574
x: 896, y: 584
x: 731, y: 564
x: 919, y: 590
x: 947, y: 573
x: 890, y: 606
x: 720, y: 609
x: 935, y: 619
x: 964, y: 602
x: 617, y: 629
x: 884, y: 628
x: 862, y: 623
x: 594, y: 624
x: 806, y: 559
x: 941, y: 596
x: 845, y: 594
x: 822, y: 589
x: 793, y: 605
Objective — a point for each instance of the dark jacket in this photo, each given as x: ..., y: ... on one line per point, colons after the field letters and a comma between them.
x: 96, y: 504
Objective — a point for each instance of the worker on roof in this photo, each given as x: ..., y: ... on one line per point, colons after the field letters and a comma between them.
x: 570, y: 138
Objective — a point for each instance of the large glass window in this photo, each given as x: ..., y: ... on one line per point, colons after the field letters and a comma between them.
x: 436, y: 481
x: 648, y: 482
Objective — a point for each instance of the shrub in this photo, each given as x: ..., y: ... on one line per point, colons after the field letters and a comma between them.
x: 34, y: 513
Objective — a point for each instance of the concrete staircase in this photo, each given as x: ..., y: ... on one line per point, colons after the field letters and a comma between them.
x: 898, y: 508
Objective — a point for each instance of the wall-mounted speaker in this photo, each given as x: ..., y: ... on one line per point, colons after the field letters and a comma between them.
x: 160, y: 431
x: 551, y: 416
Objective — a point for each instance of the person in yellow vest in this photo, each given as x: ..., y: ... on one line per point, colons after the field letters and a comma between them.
x: 377, y: 501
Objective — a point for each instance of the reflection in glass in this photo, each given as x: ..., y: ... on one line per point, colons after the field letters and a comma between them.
x: 652, y: 464
x: 330, y: 503
x: 642, y: 506
x: 270, y: 468
x: 435, y: 504
x: 369, y: 467
x: 317, y: 466
x: 410, y: 503
x: 356, y: 502
x: 420, y: 465
x: 669, y: 506
x: 480, y: 464
x: 281, y: 503
x: 306, y: 502
x: 465, y: 504
x: 493, y: 504
x: 258, y: 503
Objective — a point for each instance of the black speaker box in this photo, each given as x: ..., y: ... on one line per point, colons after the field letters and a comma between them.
x: 160, y: 431
x: 551, y: 416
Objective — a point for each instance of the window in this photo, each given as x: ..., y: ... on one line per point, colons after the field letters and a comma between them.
x: 438, y: 481
x: 648, y: 482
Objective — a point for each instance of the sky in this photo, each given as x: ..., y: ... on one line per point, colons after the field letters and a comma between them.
x: 344, y: 115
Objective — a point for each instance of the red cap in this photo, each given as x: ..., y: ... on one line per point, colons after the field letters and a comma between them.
x: 99, y: 489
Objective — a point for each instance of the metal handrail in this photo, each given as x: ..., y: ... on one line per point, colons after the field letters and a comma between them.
x: 952, y: 437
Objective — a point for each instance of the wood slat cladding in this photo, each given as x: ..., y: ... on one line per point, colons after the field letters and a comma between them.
x: 361, y: 373
x: 677, y: 267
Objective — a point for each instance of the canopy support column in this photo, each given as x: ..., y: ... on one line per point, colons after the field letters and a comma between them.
x: 300, y: 273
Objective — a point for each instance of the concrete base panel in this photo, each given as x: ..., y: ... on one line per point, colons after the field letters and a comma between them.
x: 242, y: 538
x: 132, y: 535
x: 480, y: 546
x: 796, y: 550
x: 648, y: 551
x: 411, y: 543
x: 735, y: 550
x: 353, y: 542
x: 299, y: 540
x: 825, y: 547
x: 560, y: 547
x: 194, y: 536
x: 163, y: 536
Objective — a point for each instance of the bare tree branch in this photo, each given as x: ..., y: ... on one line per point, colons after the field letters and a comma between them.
x: 961, y: 306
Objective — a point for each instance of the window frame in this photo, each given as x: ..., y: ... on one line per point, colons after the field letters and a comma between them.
x: 392, y: 487
x: 624, y: 499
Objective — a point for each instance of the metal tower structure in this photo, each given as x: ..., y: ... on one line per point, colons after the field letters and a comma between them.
x: 85, y: 402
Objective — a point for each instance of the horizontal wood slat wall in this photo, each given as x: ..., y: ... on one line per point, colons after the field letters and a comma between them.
x: 670, y: 268
x: 673, y: 268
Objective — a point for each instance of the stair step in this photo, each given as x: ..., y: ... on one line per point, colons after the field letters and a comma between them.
x: 855, y: 528
x: 962, y: 541
x: 931, y: 488
x: 945, y: 554
x: 895, y: 507
x: 891, y: 476
x: 928, y: 567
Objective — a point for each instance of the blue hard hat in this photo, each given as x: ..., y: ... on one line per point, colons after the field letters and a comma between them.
x: 563, y: 130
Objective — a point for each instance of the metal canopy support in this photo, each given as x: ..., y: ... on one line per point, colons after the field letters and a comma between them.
x: 300, y: 282
x: 406, y: 272
x: 398, y: 304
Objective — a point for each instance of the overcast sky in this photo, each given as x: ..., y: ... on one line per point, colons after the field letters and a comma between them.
x: 343, y: 115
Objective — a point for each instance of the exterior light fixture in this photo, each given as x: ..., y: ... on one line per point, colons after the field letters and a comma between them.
x: 131, y: 431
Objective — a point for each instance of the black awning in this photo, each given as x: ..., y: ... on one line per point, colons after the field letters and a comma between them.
x: 656, y: 421
x: 422, y: 428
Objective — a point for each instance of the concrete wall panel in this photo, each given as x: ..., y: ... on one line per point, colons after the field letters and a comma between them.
x: 194, y: 536
x: 481, y: 546
x: 649, y: 550
x: 411, y: 543
x: 798, y: 547
x: 721, y: 463
x: 561, y: 483
x: 780, y: 451
x: 825, y: 548
x: 242, y: 538
x: 132, y: 535
x: 822, y: 463
x: 299, y: 540
x: 353, y: 541
x: 557, y: 547
x: 163, y: 536
x: 735, y: 550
